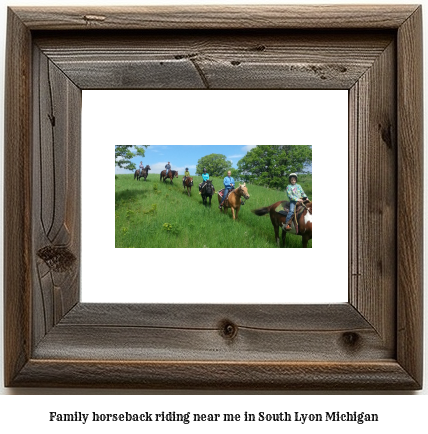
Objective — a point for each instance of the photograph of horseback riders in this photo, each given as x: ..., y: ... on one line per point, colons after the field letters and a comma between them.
x: 219, y: 196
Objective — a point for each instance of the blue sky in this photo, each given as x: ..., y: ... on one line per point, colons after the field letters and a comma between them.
x: 186, y: 156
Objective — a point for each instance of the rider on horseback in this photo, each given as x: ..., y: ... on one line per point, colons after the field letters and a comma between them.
x: 186, y: 174
x: 141, y: 168
x: 296, y: 195
x: 168, y: 168
x: 229, y: 185
x: 205, y: 178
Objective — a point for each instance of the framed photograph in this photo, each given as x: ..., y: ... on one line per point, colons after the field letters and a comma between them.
x: 371, y: 341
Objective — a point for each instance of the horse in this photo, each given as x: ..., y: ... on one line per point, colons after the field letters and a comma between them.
x: 303, y: 215
x: 144, y: 173
x: 233, y: 201
x: 171, y: 174
x: 188, y: 182
x: 207, y: 191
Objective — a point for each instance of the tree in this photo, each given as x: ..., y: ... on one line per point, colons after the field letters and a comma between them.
x: 216, y: 164
x: 270, y: 165
x: 123, y: 155
x: 234, y: 173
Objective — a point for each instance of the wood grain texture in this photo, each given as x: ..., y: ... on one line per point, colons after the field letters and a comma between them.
x: 199, y: 332
x: 216, y: 17
x: 216, y: 59
x: 372, y: 342
x: 373, y: 162
x: 386, y: 375
x: 17, y: 199
x: 410, y: 205
x: 56, y: 194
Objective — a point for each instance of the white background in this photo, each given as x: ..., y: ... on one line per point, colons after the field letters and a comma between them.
x: 398, y: 413
x: 318, y: 118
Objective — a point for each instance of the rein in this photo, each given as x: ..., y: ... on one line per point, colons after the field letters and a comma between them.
x: 295, y: 217
x: 205, y: 185
x: 295, y: 212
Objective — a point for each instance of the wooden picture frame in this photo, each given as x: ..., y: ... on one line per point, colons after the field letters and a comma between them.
x: 372, y: 342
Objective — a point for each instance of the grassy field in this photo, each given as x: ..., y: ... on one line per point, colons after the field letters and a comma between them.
x: 157, y: 214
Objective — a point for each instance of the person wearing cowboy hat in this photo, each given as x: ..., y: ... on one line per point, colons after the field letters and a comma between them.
x: 295, y: 194
x: 205, y: 178
x: 186, y: 174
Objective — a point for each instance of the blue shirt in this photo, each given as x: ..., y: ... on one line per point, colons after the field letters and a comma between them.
x: 205, y: 177
x: 228, y: 181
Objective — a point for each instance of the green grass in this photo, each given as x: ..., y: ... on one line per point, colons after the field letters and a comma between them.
x: 157, y: 214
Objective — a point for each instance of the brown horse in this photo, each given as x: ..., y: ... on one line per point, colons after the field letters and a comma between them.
x: 188, y: 182
x: 303, y: 215
x: 171, y: 174
x: 144, y: 173
x: 233, y: 201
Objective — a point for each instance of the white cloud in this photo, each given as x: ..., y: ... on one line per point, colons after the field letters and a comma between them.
x: 158, y: 167
x: 247, y: 148
x: 120, y: 170
x: 235, y: 156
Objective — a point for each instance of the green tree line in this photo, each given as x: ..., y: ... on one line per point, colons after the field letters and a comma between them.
x: 266, y: 165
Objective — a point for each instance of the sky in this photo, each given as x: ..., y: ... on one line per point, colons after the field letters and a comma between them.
x: 180, y: 157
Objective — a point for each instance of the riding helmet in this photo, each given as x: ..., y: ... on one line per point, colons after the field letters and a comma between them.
x: 292, y: 174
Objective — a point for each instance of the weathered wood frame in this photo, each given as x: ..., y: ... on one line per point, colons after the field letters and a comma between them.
x: 372, y: 342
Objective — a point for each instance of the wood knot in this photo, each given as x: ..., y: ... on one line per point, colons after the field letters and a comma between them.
x: 386, y: 134
x: 351, y: 340
x: 185, y: 56
x: 58, y: 259
x: 89, y: 18
x: 227, y: 329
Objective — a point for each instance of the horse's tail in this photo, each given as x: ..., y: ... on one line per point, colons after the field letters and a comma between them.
x: 267, y: 209
x: 260, y: 211
x: 160, y: 179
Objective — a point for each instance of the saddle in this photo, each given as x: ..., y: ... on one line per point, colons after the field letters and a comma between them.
x: 221, y: 192
x: 295, y: 219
